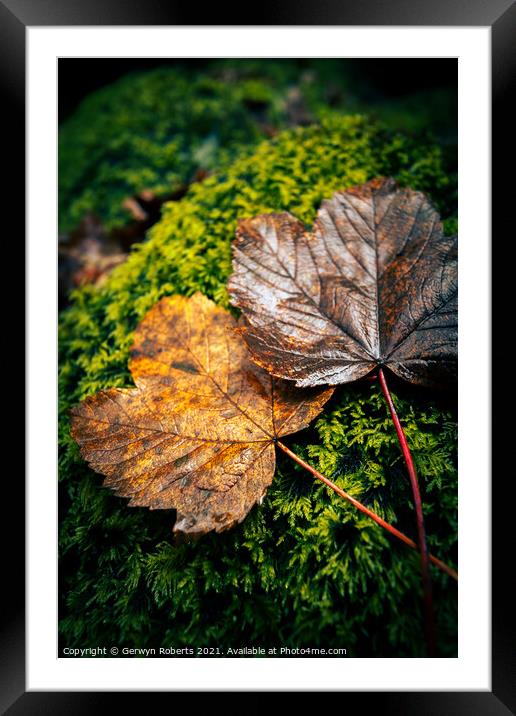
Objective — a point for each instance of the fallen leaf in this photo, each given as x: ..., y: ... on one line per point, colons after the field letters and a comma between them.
x: 135, y: 209
x: 86, y: 255
x: 197, y: 433
x: 374, y: 284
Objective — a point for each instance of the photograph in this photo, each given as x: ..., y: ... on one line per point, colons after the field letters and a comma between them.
x: 257, y: 267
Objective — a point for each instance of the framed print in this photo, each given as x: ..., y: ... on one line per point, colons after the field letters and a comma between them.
x: 242, y: 337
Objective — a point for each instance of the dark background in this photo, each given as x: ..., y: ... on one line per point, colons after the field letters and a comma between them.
x: 382, y: 78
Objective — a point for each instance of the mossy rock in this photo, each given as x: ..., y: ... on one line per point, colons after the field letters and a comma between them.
x: 304, y: 569
x: 156, y: 130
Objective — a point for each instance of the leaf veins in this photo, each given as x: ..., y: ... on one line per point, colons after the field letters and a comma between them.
x: 197, y: 432
x: 374, y: 283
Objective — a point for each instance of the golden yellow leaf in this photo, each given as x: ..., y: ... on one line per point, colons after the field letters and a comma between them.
x: 197, y: 432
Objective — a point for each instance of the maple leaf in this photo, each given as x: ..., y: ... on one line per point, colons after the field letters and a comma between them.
x: 197, y: 433
x: 374, y: 284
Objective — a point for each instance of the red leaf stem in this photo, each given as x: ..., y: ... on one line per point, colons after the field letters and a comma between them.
x: 421, y: 537
x: 365, y: 510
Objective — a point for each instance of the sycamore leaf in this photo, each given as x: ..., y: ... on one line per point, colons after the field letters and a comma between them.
x: 373, y: 284
x: 197, y: 433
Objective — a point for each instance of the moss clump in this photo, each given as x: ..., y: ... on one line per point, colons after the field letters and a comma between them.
x: 155, y: 130
x: 304, y: 569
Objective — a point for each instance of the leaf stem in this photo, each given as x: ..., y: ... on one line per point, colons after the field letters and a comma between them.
x: 366, y: 511
x: 421, y: 537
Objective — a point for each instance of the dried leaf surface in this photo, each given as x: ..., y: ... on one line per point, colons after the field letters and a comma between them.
x: 374, y: 283
x: 197, y: 433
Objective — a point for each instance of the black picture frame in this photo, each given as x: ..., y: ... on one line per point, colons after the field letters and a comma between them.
x: 500, y: 16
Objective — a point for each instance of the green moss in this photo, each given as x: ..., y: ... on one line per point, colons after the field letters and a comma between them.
x: 155, y: 130
x: 304, y: 569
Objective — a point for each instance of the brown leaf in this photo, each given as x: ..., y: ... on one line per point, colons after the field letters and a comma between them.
x: 134, y: 208
x: 374, y: 283
x: 197, y: 433
x: 86, y: 255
